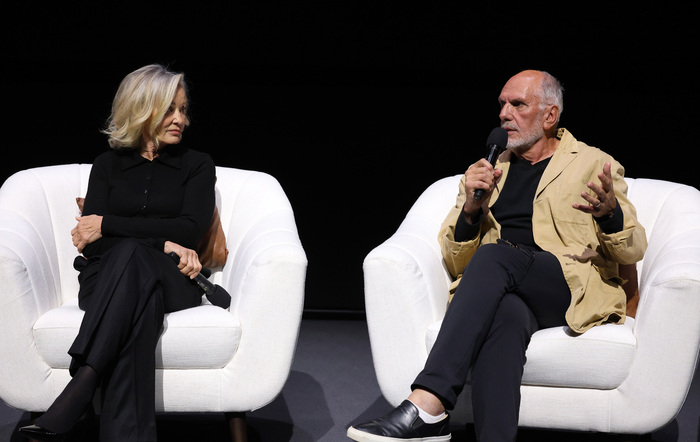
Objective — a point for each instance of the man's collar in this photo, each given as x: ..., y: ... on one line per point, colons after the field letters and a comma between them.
x: 567, y: 142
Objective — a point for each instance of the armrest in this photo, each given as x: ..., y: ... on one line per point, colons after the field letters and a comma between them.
x: 28, y: 290
x: 266, y: 278
x: 666, y: 325
x: 406, y: 288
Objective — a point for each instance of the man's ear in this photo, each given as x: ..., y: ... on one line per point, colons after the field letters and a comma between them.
x: 551, y: 118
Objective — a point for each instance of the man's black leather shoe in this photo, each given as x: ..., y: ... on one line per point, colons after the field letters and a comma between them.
x: 401, y: 424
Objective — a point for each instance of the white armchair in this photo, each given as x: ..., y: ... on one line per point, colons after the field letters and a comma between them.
x: 624, y: 379
x: 208, y: 359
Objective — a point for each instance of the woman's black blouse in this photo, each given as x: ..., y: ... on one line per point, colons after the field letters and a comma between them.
x: 168, y: 199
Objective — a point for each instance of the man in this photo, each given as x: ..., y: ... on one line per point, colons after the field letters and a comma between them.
x: 540, y: 249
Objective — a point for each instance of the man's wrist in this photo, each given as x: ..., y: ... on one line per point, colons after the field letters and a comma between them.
x: 612, y: 222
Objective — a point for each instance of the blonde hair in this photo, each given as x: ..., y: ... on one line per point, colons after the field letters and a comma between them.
x: 140, y: 104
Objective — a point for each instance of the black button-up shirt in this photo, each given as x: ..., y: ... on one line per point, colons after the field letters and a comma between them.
x: 168, y: 199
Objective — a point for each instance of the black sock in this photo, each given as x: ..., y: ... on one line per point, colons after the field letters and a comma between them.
x: 70, y: 405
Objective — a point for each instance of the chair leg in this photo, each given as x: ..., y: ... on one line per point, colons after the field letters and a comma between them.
x: 237, y: 425
x: 636, y: 438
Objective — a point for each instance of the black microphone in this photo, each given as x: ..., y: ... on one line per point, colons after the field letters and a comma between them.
x: 495, y: 144
x: 216, y: 294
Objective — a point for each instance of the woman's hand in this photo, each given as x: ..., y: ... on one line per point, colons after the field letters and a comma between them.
x: 88, y: 230
x: 189, y: 260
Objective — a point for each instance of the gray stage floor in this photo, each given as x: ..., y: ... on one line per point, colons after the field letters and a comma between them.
x: 332, y: 385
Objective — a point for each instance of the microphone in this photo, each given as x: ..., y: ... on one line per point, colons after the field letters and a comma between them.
x: 216, y: 294
x: 496, y: 143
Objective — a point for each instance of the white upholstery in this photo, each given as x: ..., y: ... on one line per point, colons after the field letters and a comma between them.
x: 208, y: 359
x: 202, y: 337
x: 630, y: 378
x: 600, y: 358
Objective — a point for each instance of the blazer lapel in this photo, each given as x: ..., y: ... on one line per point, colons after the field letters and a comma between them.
x: 565, y: 154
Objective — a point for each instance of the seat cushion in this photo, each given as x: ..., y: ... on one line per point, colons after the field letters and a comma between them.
x: 199, y: 337
x: 600, y: 358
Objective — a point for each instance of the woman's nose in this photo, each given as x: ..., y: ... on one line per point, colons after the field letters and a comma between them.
x: 178, y: 117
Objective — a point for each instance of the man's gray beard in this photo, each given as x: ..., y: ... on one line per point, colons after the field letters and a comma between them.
x: 527, y: 141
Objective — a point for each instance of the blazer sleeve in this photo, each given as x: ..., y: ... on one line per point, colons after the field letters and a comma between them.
x: 628, y: 245
x: 456, y: 254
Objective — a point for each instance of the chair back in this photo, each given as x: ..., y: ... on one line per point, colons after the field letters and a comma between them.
x: 44, y: 198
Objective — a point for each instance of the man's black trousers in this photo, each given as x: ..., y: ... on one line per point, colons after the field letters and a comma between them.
x: 505, y: 295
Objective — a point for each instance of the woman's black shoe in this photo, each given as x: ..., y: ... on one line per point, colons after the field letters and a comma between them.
x: 38, y: 433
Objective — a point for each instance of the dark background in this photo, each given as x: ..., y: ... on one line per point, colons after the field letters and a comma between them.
x: 354, y: 107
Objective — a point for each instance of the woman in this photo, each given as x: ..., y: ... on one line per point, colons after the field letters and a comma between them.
x: 147, y: 197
